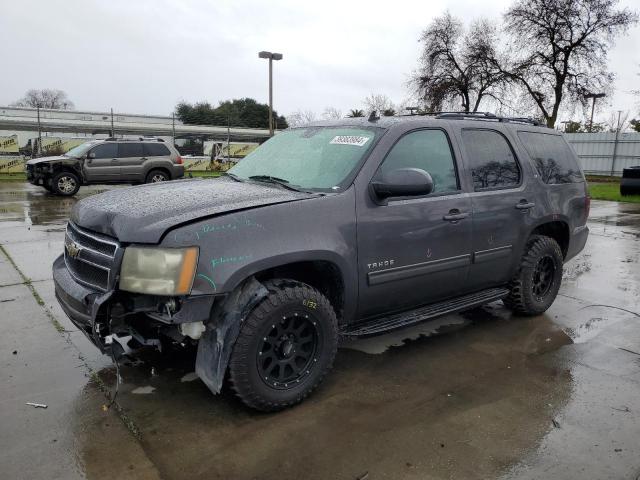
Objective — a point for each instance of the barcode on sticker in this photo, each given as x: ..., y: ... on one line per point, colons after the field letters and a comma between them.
x: 349, y: 140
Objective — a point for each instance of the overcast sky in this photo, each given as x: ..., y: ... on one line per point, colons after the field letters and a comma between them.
x: 144, y: 56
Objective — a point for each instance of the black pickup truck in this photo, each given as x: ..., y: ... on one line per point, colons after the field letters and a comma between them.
x: 346, y: 228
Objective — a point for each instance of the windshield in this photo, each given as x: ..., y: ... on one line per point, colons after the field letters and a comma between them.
x: 318, y: 158
x: 80, y: 150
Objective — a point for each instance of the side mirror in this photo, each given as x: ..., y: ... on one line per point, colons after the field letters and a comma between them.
x: 403, y: 182
x: 91, y: 155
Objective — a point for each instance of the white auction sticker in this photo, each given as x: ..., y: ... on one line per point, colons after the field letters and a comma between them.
x: 349, y: 140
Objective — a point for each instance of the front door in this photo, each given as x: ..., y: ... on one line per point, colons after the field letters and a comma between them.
x: 414, y: 251
x: 502, y: 202
x: 101, y: 164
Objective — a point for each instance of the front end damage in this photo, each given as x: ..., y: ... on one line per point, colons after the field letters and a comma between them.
x: 112, y: 317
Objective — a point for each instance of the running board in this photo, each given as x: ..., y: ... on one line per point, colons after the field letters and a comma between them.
x: 411, y: 317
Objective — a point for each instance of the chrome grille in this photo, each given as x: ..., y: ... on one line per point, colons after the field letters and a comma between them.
x: 90, y: 258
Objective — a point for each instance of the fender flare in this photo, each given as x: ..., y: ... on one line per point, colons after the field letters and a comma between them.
x: 222, y: 330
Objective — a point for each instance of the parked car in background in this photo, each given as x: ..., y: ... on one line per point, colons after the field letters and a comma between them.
x: 345, y: 228
x: 630, y: 181
x: 110, y: 161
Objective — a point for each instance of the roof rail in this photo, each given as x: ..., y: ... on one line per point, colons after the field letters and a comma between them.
x: 139, y: 139
x: 487, y: 116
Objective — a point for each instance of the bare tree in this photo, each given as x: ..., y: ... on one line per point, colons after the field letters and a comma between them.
x: 458, y: 64
x: 379, y: 103
x: 300, y: 118
x: 560, y: 47
x: 45, y: 98
x: 331, y: 113
x: 618, y: 121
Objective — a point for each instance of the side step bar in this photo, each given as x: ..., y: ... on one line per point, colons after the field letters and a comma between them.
x: 411, y: 317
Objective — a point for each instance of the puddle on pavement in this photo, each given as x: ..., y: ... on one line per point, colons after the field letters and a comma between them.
x: 418, y: 404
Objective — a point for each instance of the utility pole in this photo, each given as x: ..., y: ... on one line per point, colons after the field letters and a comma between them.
x: 271, y: 56
x: 228, y: 138
x: 113, y: 133
x: 615, y: 143
x: 173, y: 128
x: 39, y: 149
x: 593, y: 106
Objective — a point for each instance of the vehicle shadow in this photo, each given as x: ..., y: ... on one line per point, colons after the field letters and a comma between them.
x: 464, y: 404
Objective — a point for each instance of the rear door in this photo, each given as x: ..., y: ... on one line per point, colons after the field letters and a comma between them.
x: 417, y: 250
x: 502, y: 201
x: 104, y: 166
x: 156, y: 155
x: 131, y: 157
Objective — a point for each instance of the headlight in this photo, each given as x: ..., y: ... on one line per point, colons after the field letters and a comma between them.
x: 158, y: 271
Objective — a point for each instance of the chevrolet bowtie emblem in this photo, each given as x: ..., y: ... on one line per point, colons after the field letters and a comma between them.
x: 73, y: 249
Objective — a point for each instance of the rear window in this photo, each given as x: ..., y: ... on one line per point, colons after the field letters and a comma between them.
x: 155, y: 150
x: 552, y: 157
x: 126, y: 150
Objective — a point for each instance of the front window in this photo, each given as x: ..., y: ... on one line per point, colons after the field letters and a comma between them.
x: 317, y: 158
x: 80, y: 150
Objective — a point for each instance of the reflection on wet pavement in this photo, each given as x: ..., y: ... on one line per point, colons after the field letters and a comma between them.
x: 476, y: 395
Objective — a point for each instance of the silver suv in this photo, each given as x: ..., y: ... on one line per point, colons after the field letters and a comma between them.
x: 106, y: 161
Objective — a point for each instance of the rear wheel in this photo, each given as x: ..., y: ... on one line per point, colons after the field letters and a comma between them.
x: 286, y: 346
x: 155, y: 176
x: 65, y: 183
x: 536, y: 285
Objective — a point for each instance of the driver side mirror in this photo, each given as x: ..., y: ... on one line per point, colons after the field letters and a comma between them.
x: 91, y: 155
x: 403, y: 182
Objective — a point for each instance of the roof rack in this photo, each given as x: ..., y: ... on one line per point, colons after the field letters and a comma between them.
x: 487, y: 116
x: 139, y: 139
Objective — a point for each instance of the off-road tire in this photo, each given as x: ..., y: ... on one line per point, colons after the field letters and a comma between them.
x: 287, y: 301
x: 65, y: 184
x: 523, y: 298
x: 154, y: 176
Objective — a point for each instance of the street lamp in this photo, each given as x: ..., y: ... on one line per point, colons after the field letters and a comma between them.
x: 593, y: 106
x: 271, y: 56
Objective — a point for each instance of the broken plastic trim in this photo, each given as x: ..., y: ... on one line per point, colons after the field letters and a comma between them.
x: 216, y: 344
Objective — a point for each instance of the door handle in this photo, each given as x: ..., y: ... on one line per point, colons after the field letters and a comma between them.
x: 524, y: 205
x: 114, y: 160
x: 455, y: 215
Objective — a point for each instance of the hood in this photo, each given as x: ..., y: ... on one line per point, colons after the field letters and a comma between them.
x: 144, y: 213
x: 33, y: 161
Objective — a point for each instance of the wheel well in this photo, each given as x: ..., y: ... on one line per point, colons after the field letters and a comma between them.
x: 56, y: 169
x: 162, y: 169
x: 322, y: 275
x: 559, y: 231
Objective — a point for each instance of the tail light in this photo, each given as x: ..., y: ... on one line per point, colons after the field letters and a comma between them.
x: 179, y: 160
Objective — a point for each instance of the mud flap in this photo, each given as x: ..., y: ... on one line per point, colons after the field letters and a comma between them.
x: 215, y: 346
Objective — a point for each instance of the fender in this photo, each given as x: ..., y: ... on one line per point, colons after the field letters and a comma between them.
x: 222, y: 330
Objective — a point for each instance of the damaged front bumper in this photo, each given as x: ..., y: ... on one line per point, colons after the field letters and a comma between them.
x: 102, y: 314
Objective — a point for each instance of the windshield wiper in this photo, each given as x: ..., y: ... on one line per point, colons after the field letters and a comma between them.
x: 234, y: 176
x: 278, y: 181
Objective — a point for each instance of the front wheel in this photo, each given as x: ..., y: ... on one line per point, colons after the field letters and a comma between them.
x: 536, y: 285
x: 286, y: 346
x: 65, y: 183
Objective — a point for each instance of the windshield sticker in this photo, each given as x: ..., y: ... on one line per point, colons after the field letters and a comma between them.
x: 349, y: 140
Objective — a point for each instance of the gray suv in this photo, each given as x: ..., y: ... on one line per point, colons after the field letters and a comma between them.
x: 347, y: 228
x: 106, y: 161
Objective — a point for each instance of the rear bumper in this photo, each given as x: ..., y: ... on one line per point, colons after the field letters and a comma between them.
x: 577, y: 242
x: 177, y: 171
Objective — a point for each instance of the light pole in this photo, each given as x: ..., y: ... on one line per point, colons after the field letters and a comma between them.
x: 271, y: 56
x: 593, y: 106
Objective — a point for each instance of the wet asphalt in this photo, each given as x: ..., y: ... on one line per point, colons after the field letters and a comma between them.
x: 482, y: 394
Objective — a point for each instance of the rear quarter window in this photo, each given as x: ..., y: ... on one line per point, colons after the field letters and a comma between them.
x: 156, y: 150
x: 552, y: 157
